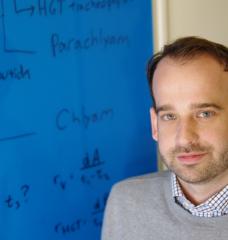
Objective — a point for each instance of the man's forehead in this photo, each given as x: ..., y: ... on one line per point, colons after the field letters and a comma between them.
x: 199, y: 63
x: 200, y: 81
x: 165, y: 65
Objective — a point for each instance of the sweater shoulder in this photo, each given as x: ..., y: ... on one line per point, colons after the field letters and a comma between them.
x: 142, y: 184
x: 151, y: 178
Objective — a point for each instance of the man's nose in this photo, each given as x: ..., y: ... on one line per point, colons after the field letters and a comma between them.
x: 186, y: 132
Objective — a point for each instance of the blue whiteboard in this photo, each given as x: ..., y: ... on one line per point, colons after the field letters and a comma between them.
x: 74, y: 112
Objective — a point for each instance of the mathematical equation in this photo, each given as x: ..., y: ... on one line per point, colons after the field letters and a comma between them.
x: 91, y: 173
x: 91, y: 169
x: 79, y: 224
x: 16, y: 202
x: 95, y: 218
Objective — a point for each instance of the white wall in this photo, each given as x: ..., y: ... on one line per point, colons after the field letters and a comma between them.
x: 178, y: 18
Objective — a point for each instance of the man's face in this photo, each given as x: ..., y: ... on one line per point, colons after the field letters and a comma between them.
x: 190, y: 121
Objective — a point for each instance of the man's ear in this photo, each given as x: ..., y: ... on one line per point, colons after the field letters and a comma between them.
x: 154, y: 123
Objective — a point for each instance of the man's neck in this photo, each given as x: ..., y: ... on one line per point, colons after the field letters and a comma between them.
x: 198, y: 193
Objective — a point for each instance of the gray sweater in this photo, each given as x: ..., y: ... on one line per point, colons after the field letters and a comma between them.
x: 142, y: 208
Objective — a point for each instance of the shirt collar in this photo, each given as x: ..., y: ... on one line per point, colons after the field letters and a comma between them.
x: 217, y: 205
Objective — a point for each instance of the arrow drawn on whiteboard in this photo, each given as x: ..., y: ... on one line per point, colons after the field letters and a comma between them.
x: 4, y: 31
x: 30, y: 9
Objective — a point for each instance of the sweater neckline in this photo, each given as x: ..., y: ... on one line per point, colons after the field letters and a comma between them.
x: 182, y: 215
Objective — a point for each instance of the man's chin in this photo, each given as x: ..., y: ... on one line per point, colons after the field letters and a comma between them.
x: 192, y: 177
x: 188, y: 174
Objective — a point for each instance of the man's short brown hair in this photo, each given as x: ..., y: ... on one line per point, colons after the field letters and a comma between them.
x: 185, y: 49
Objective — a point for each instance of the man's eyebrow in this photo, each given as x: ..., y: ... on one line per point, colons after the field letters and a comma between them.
x: 166, y: 107
x: 205, y: 105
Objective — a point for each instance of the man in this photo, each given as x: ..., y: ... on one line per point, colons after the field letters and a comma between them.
x: 189, y: 85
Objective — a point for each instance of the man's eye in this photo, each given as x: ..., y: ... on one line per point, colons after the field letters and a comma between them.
x: 168, y: 117
x: 206, y: 114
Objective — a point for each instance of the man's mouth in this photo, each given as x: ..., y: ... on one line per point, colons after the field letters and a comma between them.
x: 190, y: 158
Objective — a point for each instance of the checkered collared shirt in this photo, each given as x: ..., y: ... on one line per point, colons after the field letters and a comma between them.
x: 215, y: 206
